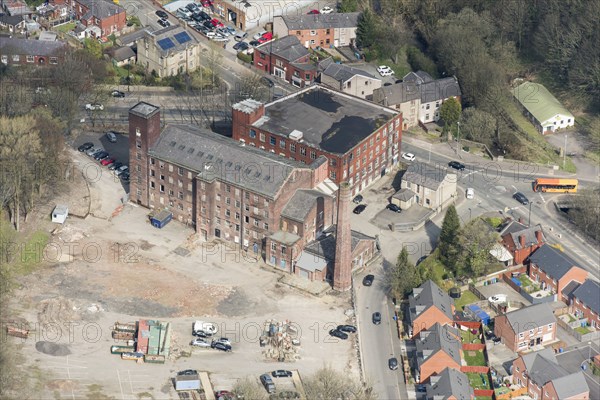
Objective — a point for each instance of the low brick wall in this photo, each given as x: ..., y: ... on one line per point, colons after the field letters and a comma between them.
x: 473, y: 346
x: 478, y: 369
x: 483, y: 392
x: 512, y: 394
x: 470, y: 324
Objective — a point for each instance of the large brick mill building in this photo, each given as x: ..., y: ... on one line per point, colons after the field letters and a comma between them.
x: 271, y: 206
x: 359, y: 139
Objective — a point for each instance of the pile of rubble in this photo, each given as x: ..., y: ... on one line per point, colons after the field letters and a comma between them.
x: 281, y: 341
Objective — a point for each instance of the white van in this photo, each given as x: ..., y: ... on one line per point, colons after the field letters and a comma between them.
x: 240, y: 36
x: 470, y: 193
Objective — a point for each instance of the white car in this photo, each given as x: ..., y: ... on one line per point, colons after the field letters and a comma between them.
x: 223, y: 340
x: 94, y: 107
x: 199, y: 343
x: 205, y: 326
x: 408, y: 156
x: 259, y: 35
x: 499, y: 298
x: 119, y: 171
x: 470, y: 193
x: 326, y: 10
x: 384, y: 70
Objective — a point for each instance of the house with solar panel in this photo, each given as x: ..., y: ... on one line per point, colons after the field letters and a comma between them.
x: 544, y: 110
x: 169, y: 51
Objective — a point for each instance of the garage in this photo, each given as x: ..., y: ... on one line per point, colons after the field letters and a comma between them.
x: 308, y: 263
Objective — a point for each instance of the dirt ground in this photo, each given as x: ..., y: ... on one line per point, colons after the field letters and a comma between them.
x: 113, y: 266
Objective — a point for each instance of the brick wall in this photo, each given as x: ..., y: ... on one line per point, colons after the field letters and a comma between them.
x: 314, y: 38
x: 546, y: 281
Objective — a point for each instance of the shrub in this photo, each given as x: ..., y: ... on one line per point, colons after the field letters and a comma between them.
x: 247, y: 58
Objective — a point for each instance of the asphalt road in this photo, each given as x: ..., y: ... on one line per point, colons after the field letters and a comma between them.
x: 574, y: 357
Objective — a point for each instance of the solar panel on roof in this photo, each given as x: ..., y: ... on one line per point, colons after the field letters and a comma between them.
x: 182, y: 37
x: 166, y: 44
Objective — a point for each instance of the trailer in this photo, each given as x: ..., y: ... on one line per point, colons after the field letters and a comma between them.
x: 160, y: 219
x: 154, y: 359
x: 17, y: 332
x: 124, y: 327
x: 123, y: 335
x: 121, y: 349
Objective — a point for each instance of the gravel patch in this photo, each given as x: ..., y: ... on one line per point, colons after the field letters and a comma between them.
x: 53, y: 349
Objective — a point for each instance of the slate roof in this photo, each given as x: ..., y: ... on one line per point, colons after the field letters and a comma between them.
x: 429, y: 295
x: 396, y: 94
x: 298, y: 207
x: 552, y: 261
x: 404, y: 194
x: 13, y: 20
x: 539, y: 102
x: 321, y: 21
x: 438, y: 338
x: 515, y: 229
x: 100, y: 9
x: 570, y: 386
x: 568, y: 290
x: 31, y: 47
x: 330, y: 120
x: 589, y: 294
x: 418, y: 77
x: 530, y: 317
x: 133, y: 37
x: 426, y: 176
x: 213, y: 156
x: 288, y: 47
x: 450, y: 383
x: 325, y: 245
x: 170, y: 32
x: 343, y: 73
x: 123, y: 53
x: 439, y: 89
x: 417, y: 85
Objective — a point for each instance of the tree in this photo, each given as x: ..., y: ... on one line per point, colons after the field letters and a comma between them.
x: 93, y: 47
x: 366, y: 31
x: 585, y: 213
x: 475, y: 241
x: 448, y: 239
x: 250, y: 86
x: 249, y: 389
x: 348, y: 6
x: 478, y: 126
x: 403, y: 277
x: 327, y: 383
x: 420, y: 62
x: 450, y: 112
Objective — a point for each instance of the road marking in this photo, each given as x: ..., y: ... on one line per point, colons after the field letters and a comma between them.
x: 514, y: 187
x: 542, y: 197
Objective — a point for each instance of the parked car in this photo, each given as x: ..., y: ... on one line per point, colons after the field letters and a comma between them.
x: 357, y: 199
x: 281, y: 373
x: 164, y: 23
x: 359, y: 208
x: 267, y: 382
x: 338, y: 334
x: 368, y: 280
x: 470, y: 193
x: 393, y: 363
x: 376, y: 318
x: 115, y: 165
x: 499, y: 298
x: 202, y: 334
x: 326, y: 10
x: 124, y: 176
x: 223, y: 340
x: 240, y: 36
x: 421, y: 388
x: 313, y: 12
x: 216, y: 23
x: 85, y: 147
x: 117, y: 93
x: 204, y: 16
x: 111, y: 137
x: 394, y: 208
x: 346, y: 328
x: 267, y: 81
x: 231, y: 30
x: 121, y: 169
x: 221, y: 346
x: 456, y: 165
x: 162, y: 14
x: 254, y: 43
x: 94, y: 107
x: 93, y: 151
x: 223, y: 32
x: 263, y: 39
x: 408, y: 156
x: 241, y: 46
x: 259, y: 35
x: 208, y: 24
x: 107, y: 161
x: 188, y: 372
x: 199, y: 343
x: 384, y: 70
x: 520, y: 197
x: 192, y: 7
x: 184, y: 12
x: 101, y: 155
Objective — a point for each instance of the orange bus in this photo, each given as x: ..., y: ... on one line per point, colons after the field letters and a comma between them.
x: 555, y: 185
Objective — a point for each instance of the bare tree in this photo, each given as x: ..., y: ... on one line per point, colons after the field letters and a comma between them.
x: 327, y: 383
x: 249, y: 389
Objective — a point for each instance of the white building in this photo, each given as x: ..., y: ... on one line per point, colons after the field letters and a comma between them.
x: 544, y: 110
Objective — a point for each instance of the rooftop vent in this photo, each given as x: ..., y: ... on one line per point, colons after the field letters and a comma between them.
x: 191, y: 150
x: 296, y: 135
x: 173, y: 144
x: 181, y: 147
x: 228, y: 164
x: 200, y: 154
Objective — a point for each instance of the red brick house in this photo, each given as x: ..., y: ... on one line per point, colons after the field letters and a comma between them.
x: 438, y: 348
x: 360, y: 140
x: 544, y: 378
x: 286, y: 59
x: 428, y: 305
x: 554, y: 270
x: 320, y: 30
x: 31, y: 52
x: 109, y: 17
x: 521, y: 241
x: 526, y: 328
x: 585, y: 302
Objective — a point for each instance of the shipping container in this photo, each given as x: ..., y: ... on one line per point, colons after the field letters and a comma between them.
x: 121, y: 349
x: 123, y: 335
x: 124, y: 327
x: 132, y: 356
x: 154, y: 359
x: 161, y: 219
x: 17, y: 332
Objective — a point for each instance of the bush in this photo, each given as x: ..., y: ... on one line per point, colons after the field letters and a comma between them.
x: 419, y: 61
x: 247, y: 58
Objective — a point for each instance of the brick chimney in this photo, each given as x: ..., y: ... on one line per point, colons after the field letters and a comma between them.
x: 538, y: 237
x: 522, y: 240
x: 342, y: 269
x: 520, y: 220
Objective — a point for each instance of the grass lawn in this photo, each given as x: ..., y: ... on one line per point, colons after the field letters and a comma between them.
x: 33, y: 252
x: 467, y: 297
x: 468, y: 337
x: 66, y: 27
x: 583, y: 329
x: 477, y: 382
x: 527, y: 284
x: 474, y: 358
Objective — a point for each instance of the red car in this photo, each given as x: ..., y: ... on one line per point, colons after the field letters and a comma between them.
x: 224, y: 395
x: 266, y: 37
x: 313, y: 12
x: 107, y: 161
x: 206, y: 3
x: 216, y: 23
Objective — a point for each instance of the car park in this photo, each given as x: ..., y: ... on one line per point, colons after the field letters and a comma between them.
x: 394, y: 208
x: 164, y: 23
x: 498, y: 298
x: 117, y: 93
x: 368, y: 280
x: 107, y: 161
x: 384, y: 70
x: 267, y: 382
x: 85, y: 147
x: 313, y: 12
x: 393, y: 363
x: 162, y: 14
x: 100, y: 155
x: 94, y: 107
x: 115, y: 165
x: 470, y: 193
x: 359, y: 208
x: 111, y: 137
x: 346, y: 328
x: 326, y: 10
x: 241, y: 46
x: 456, y: 165
x: 376, y: 318
x: 408, y: 156
x: 520, y: 197
x: 357, y: 199
x: 281, y: 373
x: 259, y: 35
x: 199, y: 343
x: 188, y: 372
x: 338, y: 334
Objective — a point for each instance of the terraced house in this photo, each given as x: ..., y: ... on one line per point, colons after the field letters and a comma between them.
x: 24, y: 52
x: 324, y: 30
x: 108, y: 17
x: 526, y: 328
x: 429, y: 305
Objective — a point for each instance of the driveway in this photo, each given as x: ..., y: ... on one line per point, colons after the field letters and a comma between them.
x: 502, y: 288
x: 372, y: 69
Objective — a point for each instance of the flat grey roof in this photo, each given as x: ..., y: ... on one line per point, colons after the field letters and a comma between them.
x: 144, y: 109
x: 298, y: 207
x: 329, y: 120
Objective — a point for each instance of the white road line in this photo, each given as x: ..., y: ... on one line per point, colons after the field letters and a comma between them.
x: 130, y: 382
x: 514, y: 187
x: 120, y: 385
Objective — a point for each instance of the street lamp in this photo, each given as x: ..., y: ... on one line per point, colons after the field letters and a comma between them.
x: 529, y: 222
x: 469, y: 213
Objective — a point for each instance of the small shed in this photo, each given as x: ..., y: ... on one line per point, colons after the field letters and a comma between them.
x: 187, y: 382
x: 60, y: 213
x: 476, y: 312
x: 160, y: 219
x: 403, y: 198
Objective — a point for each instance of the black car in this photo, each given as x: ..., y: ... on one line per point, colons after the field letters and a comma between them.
x: 387, y: 84
x: 115, y: 165
x: 204, y: 16
x: 393, y: 363
x: 421, y: 388
x: 241, y: 46
x: 338, y: 334
x: 164, y: 23
x: 360, y: 208
x: 101, y: 155
x: 358, y: 199
x: 456, y: 165
x: 368, y: 280
x: 188, y: 372
x: 209, y: 25
x: 376, y: 318
x: 254, y: 43
x: 281, y: 373
x: 520, y: 197
x: 202, y: 334
x: 266, y: 81
x: 161, y: 14
x: 117, y: 93
x: 346, y: 328
x: 124, y: 176
x: 394, y: 208
x: 220, y: 346
x: 85, y: 147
